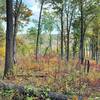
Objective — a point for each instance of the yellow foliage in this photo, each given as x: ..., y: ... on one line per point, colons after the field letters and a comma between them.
x: 29, y: 13
x: 75, y: 98
x: 2, y: 51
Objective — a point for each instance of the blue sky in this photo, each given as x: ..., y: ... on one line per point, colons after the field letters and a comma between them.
x: 35, y: 7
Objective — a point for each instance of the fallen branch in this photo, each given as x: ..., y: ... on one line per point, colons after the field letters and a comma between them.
x: 22, y: 91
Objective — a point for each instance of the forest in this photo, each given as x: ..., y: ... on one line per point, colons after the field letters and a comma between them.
x: 49, y: 49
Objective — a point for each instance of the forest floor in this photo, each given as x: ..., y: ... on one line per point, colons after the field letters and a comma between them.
x: 53, y: 74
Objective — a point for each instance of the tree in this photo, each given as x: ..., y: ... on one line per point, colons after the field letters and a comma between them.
x: 76, y: 36
x: 2, y: 9
x: 16, y: 16
x: 94, y: 38
x: 21, y: 14
x: 69, y: 11
x: 62, y: 41
x: 48, y: 26
x: 81, y: 54
x: 32, y: 33
x: 59, y: 10
x: 2, y: 35
x: 2, y: 17
x: 9, y: 38
x: 39, y: 29
x: 88, y: 10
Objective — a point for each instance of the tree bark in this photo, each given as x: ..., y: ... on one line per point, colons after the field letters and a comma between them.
x: 81, y: 54
x: 62, y: 53
x: 97, y: 49
x: 57, y: 43
x: 74, y: 48
x: 50, y: 41
x: 67, y: 57
x: 9, y: 38
x: 22, y: 91
x: 16, y: 28
x: 14, y: 39
x: 39, y: 30
x: 69, y: 24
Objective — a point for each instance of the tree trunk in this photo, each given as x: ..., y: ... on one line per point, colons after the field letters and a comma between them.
x: 69, y: 15
x: 49, y: 45
x: 39, y: 30
x: 23, y: 93
x: 81, y: 54
x: 50, y: 41
x: 9, y: 38
x: 97, y: 48
x: 57, y: 43
x: 74, y: 49
x: 14, y: 39
x: 16, y: 28
x: 93, y: 51
x: 62, y: 32
x: 67, y: 57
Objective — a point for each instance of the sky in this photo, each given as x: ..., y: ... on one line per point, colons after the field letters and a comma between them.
x: 35, y: 7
